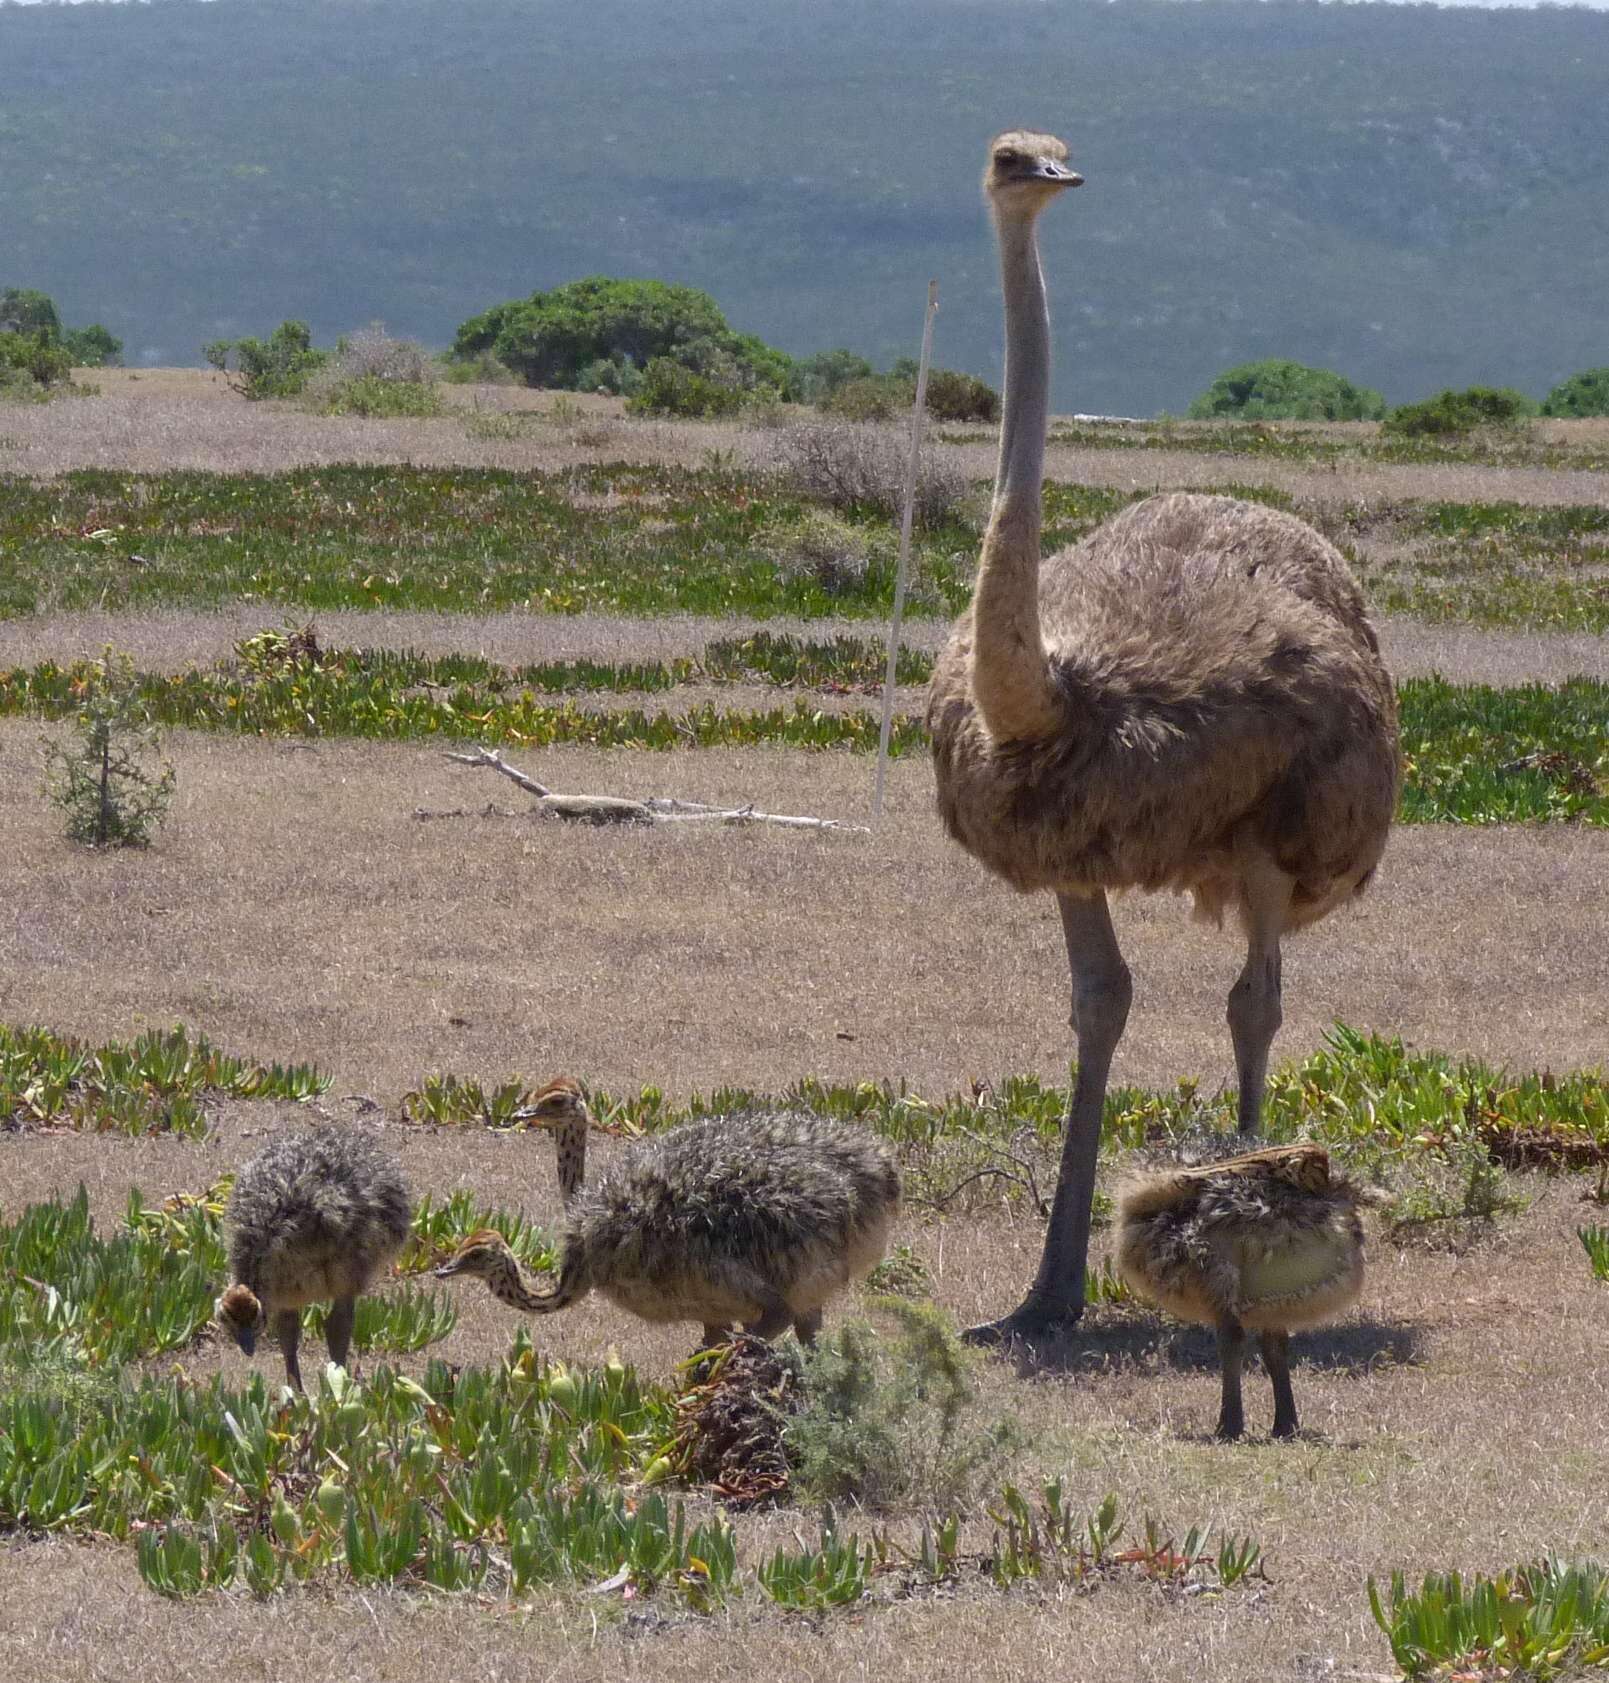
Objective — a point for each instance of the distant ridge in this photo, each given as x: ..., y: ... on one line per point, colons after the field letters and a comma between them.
x: 1414, y: 196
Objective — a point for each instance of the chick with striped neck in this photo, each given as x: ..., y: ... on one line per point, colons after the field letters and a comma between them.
x: 752, y: 1220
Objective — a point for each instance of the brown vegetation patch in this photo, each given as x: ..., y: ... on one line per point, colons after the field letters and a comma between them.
x: 730, y: 1419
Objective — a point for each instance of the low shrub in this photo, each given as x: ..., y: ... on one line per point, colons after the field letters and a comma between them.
x: 826, y: 551
x: 372, y: 374
x: 851, y: 466
x: 960, y: 397
x: 99, y: 777
x: 1278, y: 389
x: 278, y: 366
x: 1453, y: 412
x: 891, y: 1421
x: 32, y: 363
x: 669, y: 388
x: 375, y: 398
x: 1545, y: 1620
x: 1586, y: 393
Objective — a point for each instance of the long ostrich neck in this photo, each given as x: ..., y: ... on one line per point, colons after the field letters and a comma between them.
x: 508, y: 1281
x: 570, y: 1140
x: 1011, y: 679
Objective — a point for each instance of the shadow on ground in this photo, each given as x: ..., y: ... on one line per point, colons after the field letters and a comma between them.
x: 1354, y: 1347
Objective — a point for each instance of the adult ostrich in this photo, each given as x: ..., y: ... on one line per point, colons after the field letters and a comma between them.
x: 1191, y: 698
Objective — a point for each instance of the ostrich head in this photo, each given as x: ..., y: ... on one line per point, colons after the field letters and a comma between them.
x: 242, y: 1316
x: 483, y: 1253
x: 1026, y: 171
x: 562, y: 1106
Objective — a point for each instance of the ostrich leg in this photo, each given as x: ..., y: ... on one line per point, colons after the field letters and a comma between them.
x: 1232, y: 1356
x: 288, y: 1330
x: 1101, y: 995
x: 1277, y: 1359
x: 338, y: 1329
x: 1254, y: 1007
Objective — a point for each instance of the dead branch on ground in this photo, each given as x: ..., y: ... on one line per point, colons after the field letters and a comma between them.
x: 657, y: 809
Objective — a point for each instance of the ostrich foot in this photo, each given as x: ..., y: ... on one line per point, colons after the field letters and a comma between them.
x: 1032, y: 1323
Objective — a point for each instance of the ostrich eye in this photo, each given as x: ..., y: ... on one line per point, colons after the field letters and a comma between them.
x: 1007, y: 159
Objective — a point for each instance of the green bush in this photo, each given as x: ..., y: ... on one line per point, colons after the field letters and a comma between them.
x: 816, y: 377
x: 371, y: 396
x: 890, y: 1421
x: 279, y: 366
x: 559, y: 338
x: 1277, y: 389
x: 25, y: 310
x: 876, y: 397
x: 613, y: 375
x: 31, y: 363
x: 1586, y: 393
x: 92, y: 347
x: 951, y: 396
x: 1450, y: 412
x: 98, y: 780
x: 960, y: 397
x: 670, y: 389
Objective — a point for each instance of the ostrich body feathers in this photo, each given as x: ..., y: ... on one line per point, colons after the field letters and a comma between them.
x: 1271, y: 1239
x: 1219, y: 684
x: 719, y: 1219
x: 313, y: 1217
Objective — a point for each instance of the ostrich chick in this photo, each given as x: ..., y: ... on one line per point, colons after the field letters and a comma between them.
x: 313, y: 1217
x: 1268, y: 1242
x: 754, y: 1219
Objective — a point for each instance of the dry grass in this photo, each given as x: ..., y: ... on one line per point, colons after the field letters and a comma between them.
x: 156, y: 420
x: 295, y: 908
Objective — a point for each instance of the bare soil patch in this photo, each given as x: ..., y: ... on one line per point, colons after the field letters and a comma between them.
x: 293, y: 908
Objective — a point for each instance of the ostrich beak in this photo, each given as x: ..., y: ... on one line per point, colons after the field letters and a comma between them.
x: 1047, y: 169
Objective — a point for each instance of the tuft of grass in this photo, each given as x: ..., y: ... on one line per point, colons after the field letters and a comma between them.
x: 1449, y: 1198
x: 1545, y: 1620
x: 405, y: 1320
x: 1366, y: 1093
x: 901, y: 1274
x: 1595, y: 1242
x: 832, y: 1574
x: 1050, y: 1542
x: 439, y: 1228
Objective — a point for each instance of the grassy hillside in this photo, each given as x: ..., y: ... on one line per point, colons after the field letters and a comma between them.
x: 1413, y: 195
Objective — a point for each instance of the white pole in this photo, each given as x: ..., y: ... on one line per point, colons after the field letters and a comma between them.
x: 904, y: 546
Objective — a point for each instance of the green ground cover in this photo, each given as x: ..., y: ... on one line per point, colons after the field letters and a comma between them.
x: 1474, y: 754
x: 651, y: 540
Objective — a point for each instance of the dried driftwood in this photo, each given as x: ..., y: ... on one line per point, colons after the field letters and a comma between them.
x: 657, y: 809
